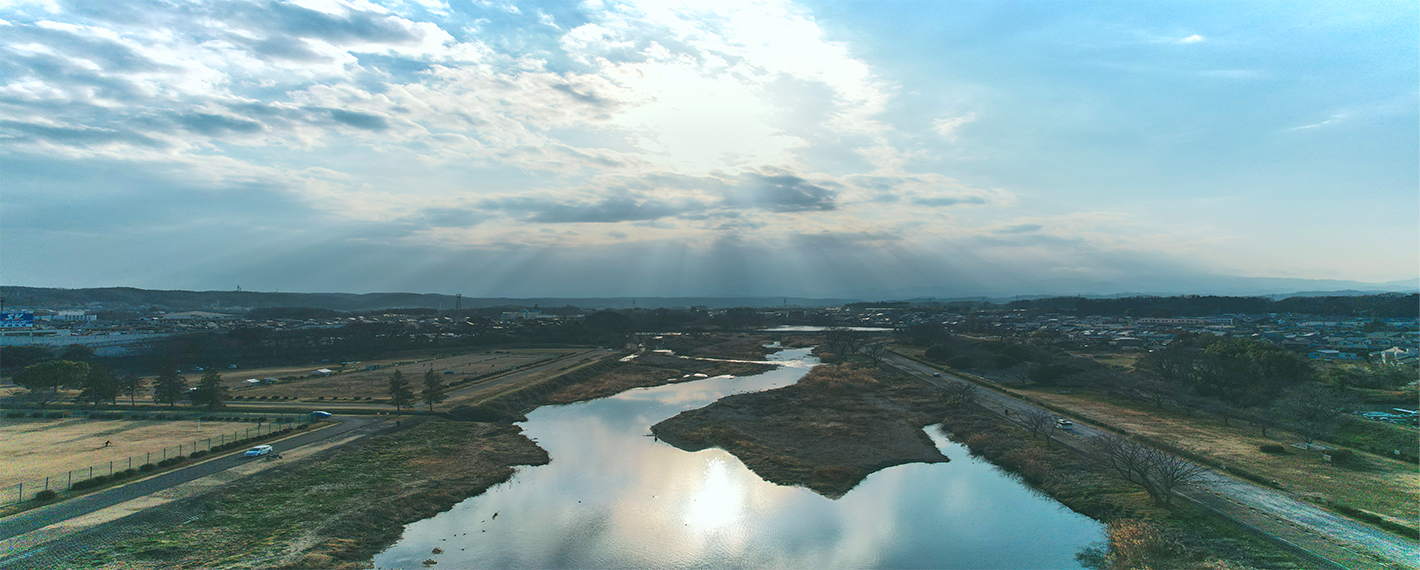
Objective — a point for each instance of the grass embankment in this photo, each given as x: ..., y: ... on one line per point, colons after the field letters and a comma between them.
x: 1200, y: 540
x: 1369, y: 483
x: 650, y: 370
x: 826, y: 433
x: 335, y: 511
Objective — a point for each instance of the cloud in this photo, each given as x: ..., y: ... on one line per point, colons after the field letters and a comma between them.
x: 365, y: 121
x: 781, y: 192
x: 1193, y: 39
x: 948, y: 127
x: 1335, y: 119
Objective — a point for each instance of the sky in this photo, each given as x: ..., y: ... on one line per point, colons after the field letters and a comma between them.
x: 663, y: 148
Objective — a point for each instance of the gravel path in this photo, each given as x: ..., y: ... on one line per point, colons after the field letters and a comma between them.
x: 1351, y: 544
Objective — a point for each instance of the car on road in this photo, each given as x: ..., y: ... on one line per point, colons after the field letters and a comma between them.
x: 936, y: 374
x: 320, y: 415
x: 1063, y: 423
x: 258, y: 451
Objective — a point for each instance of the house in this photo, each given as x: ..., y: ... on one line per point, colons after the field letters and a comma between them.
x: 1329, y: 354
x: 1397, y: 355
x: 322, y: 372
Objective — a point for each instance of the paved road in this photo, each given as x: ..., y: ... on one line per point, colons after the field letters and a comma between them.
x: 1264, y: 500
x: 44, y: 516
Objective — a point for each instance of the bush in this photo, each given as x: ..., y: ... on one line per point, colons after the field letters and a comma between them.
x: 15, y: 415
x: 146, y: 467
x: 46, y: 495
x: 1272, y: 448
x: 54, y: 415
x: 118, y: 475
x: 197, y: 454
x: 1341, y: 456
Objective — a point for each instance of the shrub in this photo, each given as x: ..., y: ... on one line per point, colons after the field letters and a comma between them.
x: 197, y: 454
x: 1272, y: 448
x: 146, y: 467
x: 46, y: 495
x: 118, y: 475
x: 15, y: 415
x: 54, y: 415
x: 1341, y: 456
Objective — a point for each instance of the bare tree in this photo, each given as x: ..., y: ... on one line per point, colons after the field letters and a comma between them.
x: 1312, y: 410
x: 842, y: 341
x: 1022, y: 372
x: 1040, y: 423
x: 1160, y: 474
x: 961, y: 393
x: 876, y: 352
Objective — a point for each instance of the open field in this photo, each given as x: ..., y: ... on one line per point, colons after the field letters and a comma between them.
x: 38, y: 448
x: 1380, y: 485
x: 356, y: 382
x: 334, y: 511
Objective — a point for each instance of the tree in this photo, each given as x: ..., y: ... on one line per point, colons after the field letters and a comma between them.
x: 98, y: 386
x: 1312, y: 410
x: 169, y: 387
x: 876, y: 352
x: 1040, y: 423
x: 210, y: 391
x: 961, y: 393
x: 77, y: 353
x: 130, y: 385
x: 44, y: 380
x: 1160, y: 474
x: 434, y: 391
x: 842, y: 341
x: 401, y: 394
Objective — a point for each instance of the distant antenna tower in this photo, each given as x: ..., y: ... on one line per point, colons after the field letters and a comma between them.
x: 239, y: 288
x: 458, y: 302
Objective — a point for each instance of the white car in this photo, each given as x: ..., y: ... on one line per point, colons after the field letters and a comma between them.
x: 258, y: 451
x: 1063, y: 423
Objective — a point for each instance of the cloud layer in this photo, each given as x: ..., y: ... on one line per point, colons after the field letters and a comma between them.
x: 442, y: 130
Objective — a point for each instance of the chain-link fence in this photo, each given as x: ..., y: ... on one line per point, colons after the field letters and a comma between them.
x: 132, y: 466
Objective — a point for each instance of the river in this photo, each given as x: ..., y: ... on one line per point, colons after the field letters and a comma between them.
x: 613, y: 497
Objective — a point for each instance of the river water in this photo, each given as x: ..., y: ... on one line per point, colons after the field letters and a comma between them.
x: 613, y: 497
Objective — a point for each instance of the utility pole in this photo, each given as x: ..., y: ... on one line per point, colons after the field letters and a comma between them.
x: 458, y: 302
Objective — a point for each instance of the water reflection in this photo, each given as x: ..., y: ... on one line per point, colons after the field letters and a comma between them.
x: 613, y: 497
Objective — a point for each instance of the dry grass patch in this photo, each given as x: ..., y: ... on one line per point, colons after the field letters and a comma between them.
x: 1375, y: 484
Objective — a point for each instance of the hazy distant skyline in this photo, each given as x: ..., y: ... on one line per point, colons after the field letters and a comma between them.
x: 658, y: 148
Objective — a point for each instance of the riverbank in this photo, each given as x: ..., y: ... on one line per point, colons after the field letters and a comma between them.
x: 334, y: 511
x: 650, y: 369
x: 1193, y: 538
x: 828, y: 432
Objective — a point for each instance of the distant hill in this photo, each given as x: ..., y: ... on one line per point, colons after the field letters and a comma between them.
x: 1389, y: 305
x: 114, y: 298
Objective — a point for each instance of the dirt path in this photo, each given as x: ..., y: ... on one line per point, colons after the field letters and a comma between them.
x: 1337, y: 539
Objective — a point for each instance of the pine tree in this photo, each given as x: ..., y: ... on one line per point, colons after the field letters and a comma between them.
x: 169, y: 387
x: 434, y: 391
x: 401, y: 394
x: 210, y: 391
x: 98, y: 386
x: 130, y: 385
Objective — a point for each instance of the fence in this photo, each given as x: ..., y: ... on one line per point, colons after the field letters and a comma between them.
x: 132, y: 465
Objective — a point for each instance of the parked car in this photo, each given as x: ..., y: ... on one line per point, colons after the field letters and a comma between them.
x: 936, y: 374
x: 258, y: 451
x: 1063, y: 423
x: 320, y: 415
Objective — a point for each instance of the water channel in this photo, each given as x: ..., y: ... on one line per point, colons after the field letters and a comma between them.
x: 613, y: 497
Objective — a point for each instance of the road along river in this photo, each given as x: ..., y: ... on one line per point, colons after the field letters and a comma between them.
x: 615, y: 497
